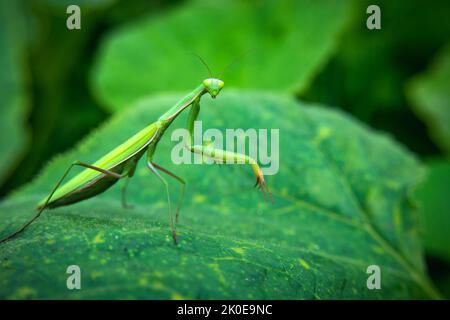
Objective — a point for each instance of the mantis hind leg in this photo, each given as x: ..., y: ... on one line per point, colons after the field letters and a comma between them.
x: 166, y: 185
x: 42, y: 208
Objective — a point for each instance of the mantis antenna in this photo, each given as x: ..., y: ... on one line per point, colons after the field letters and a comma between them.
x: 204, y: 63
x: 239, y: 57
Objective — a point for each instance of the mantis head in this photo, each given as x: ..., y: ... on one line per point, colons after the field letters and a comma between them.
x: 213, y: 86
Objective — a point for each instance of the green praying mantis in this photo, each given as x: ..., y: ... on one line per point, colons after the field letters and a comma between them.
x: 121, y: 162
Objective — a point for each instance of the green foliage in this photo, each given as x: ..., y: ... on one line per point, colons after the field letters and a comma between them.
x: 430, y: 95
x: 62, y: 110
x: 340, y: 207
x: 435, y: 208
x: 57, y: 62
x: 368, y: 73
x: 13, y: 91
x: 289, y: 40
x: 343, y: 194
x: 84, y: 4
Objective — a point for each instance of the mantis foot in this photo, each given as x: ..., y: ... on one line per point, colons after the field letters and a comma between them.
x: 262, y: 185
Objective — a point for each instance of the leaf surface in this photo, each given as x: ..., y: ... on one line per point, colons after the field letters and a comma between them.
x: 342, y: 203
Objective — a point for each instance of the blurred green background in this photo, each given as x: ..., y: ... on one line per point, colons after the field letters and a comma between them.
x: 57, y: 85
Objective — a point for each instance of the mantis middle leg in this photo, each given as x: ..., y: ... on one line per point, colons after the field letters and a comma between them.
x: 129, y: 173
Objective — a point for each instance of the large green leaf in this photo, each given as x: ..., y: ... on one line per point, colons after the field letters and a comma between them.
x: 289, y: 40
x: 13, y: 99
x: 342, y: 204
x: 430, y: 95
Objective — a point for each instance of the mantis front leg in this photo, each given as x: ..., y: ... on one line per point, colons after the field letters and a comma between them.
x: 224, y: 156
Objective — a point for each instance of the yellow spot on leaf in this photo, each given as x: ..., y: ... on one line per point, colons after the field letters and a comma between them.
x: 322, y: 134
x: 23, y: 293
x: 177, y: 296
x: 143, y: 282
x: 217, y: 270
x: 198, y: 198
x: 98, y: 238
x: 304, y: 264
x: 51, y: 241
x: 238, y: 250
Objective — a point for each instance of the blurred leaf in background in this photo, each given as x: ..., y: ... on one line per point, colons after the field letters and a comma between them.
x: 289, y: 40
x: 430, y: 96
x: 435, y: 215
x: 62, y: 111
x: 58, y: 61
x: 433, y: 195
x: 367, y: 75
x: 339, y: 208
x: 14, y: 86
